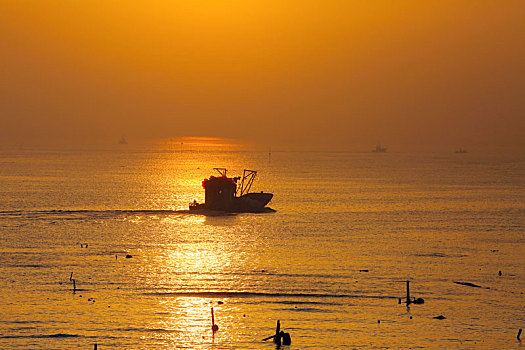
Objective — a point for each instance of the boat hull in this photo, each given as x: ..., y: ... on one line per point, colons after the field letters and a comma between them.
x: 247, y: 203
x: 252, y: 202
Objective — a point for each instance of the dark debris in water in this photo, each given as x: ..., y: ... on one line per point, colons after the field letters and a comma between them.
x: 469, y: 284
x: 441, y: 255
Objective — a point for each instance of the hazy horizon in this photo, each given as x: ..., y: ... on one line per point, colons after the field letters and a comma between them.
x: 336, y: 75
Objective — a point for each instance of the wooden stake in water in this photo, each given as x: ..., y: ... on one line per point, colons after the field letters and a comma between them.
x: 214, y: 327
x: 74, y: 285
x: 408, y: 292
x: 277, y: 337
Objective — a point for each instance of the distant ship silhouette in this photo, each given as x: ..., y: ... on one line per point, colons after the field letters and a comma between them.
x: 379, y: 149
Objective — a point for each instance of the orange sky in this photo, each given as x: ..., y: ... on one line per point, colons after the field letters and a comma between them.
x: 341, y: 75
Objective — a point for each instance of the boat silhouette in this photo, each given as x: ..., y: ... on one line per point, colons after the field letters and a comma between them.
x: 231, y: 194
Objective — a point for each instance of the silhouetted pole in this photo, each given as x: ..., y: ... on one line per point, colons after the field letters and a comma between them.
x: 519, y: 335
x: 214, y: 327
x: 408, y: 292
x: 280, y: 336
x: 277, y: 337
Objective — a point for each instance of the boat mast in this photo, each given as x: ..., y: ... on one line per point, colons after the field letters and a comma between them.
x: 247, y: 180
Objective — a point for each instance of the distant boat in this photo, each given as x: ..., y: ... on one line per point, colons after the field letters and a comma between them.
x: 123, y: 141
x: 379, y: 149
x: 461, y: 150
x: 224, y: 193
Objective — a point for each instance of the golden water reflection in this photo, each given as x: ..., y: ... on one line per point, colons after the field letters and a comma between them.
x: 178, y: 166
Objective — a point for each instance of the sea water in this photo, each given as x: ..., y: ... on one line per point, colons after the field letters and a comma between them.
x: 330, y: 263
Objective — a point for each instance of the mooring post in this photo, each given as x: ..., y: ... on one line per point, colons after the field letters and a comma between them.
x: 408, y: 292
x: 280, y: 336
x: 95, y: 346
x: 74, y: 286
x: 277, y: 337
x: 519, y: 335
x: 71, y: 276
x: 214, y: 327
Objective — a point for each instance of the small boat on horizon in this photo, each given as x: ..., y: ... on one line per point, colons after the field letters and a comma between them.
x: 379, y: 149
x: 231, y: 194
x: 461, y: 150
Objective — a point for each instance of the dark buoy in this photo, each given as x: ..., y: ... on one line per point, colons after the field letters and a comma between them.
x: 129, y: 256
x: 499, y: 273
x: 287, y: 340
x: 440, y: 317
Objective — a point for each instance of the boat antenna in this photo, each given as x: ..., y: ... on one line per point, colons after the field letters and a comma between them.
x: 221, y: 171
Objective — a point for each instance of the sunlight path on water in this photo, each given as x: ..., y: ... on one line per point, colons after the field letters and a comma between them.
x: 348, y: 231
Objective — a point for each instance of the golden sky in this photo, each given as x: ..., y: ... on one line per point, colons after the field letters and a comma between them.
x: 340, y: 75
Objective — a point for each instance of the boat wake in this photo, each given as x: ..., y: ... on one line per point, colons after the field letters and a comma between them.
x: 64, y: 214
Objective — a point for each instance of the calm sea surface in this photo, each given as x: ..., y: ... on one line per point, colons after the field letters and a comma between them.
x: 330, y: 263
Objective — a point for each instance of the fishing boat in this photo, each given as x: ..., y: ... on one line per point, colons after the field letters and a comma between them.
x: 232, y: 194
